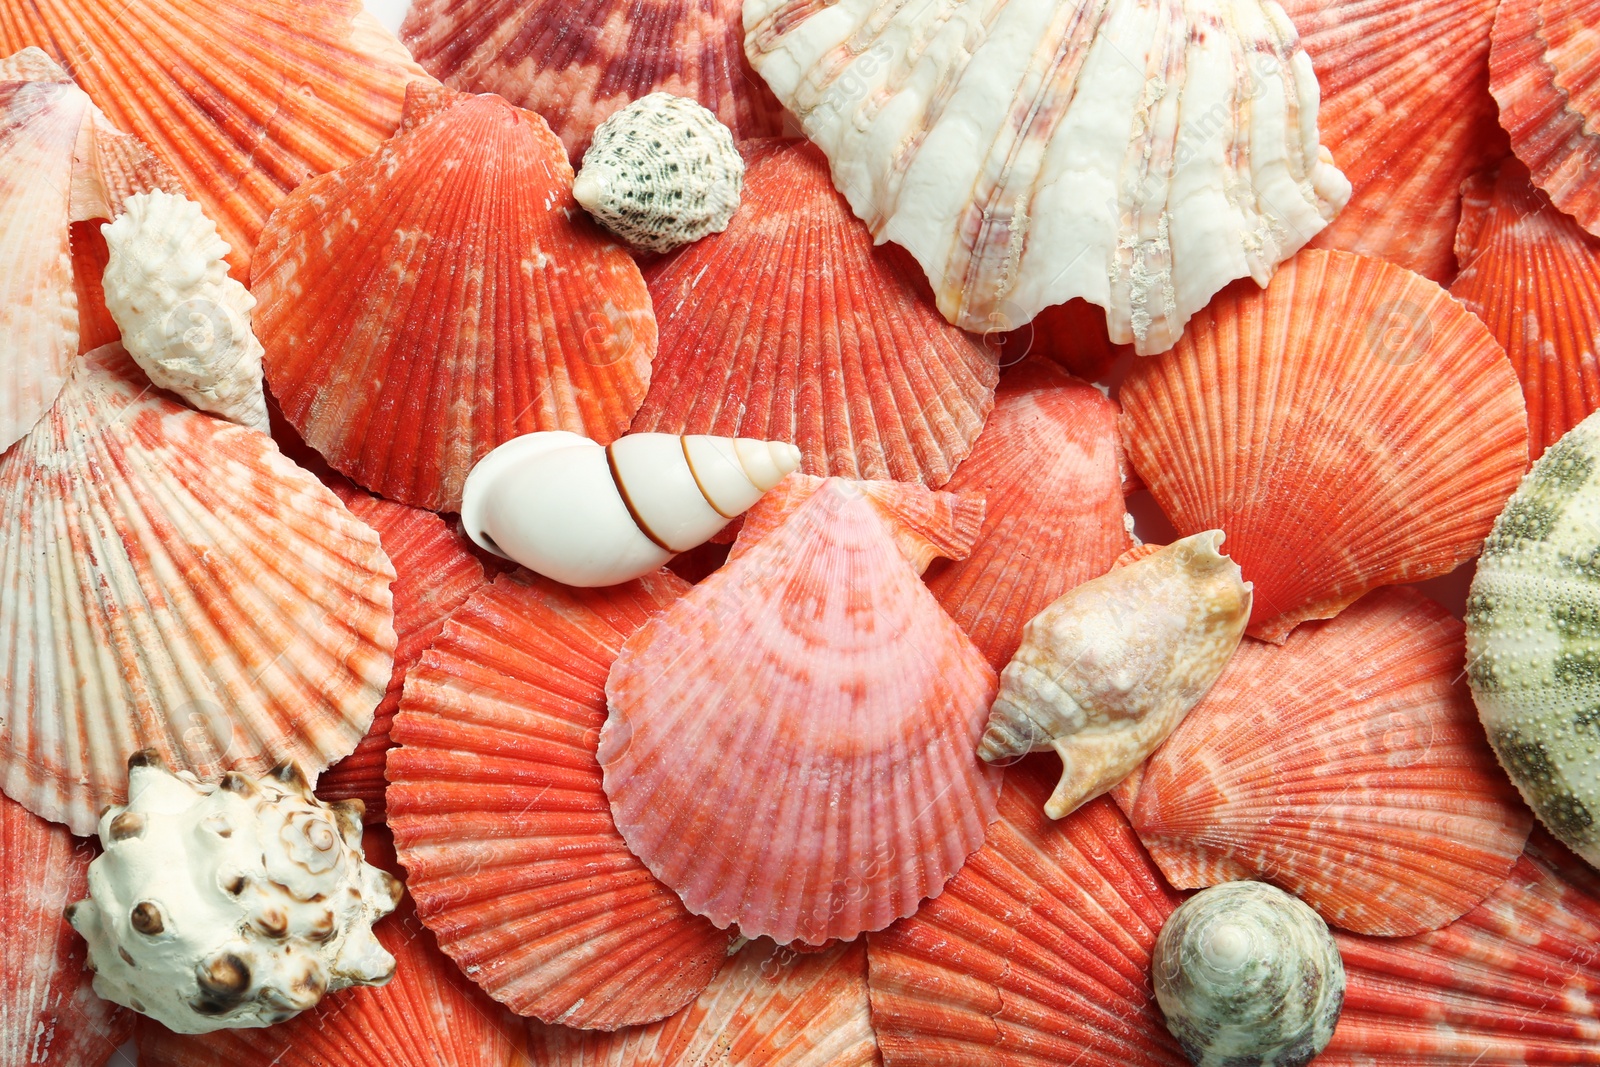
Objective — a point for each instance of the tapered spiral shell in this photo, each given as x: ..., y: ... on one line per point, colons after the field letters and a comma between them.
x: 1106, y: 672
x: 183, y: 319
x: 1533, y: 638
x: 660, y: 173
x: 1247, y: 974
x: 587, y: 515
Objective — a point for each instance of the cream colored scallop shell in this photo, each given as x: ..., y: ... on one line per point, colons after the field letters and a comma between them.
x: 1106, y: 672
x: 1246, y: 973
x: 660, y: 173
x: 1533, y: 638
x: 231, y: 904
x: 183, y: 319
x: 1140, y: 154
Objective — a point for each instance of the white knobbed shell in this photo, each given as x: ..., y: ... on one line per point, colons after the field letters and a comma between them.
x: 1533, y: 638
x: 238, y: 903
x: 586, y: 515
x: 183, y: 319
x: 1140, y: 154
x: 1106, y: 672
x: 1246, y: 973
x: 660, y: 173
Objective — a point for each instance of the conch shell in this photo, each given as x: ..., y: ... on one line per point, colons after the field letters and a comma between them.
x: 238, y: 903
x: 1245, y: 973
x: 1106, y: 672
x: 586, y: 515
x: 183, y: 319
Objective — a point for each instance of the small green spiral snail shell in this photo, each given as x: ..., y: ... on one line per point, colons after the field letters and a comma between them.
x: 1248, y: 975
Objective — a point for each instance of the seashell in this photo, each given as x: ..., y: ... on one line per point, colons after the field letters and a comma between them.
x: 1335, y: 461
x: 182, y: 319
x: 1245, y: 973
x: 662, y: 172
x: 1345, y: 766
x: 790, y: 326
x: 230, y: 904
x: 925, y: 524
x: 1106, y: 672
x: 512, y: 312
x: 96, y: 327
x: 563, y: 506
x: 1406, y: 109
x: 49, y: 1016
x: 1047, y: 464
x: 577, y: 65
x: 1028, y: 154
x: 41, y: 113
x: 174, y: 583
x: 822, y: 658
x: 1532, y: 638
x: 1037, y: 952
x: 243, y: 100
x: 1542, y: 74
x: 767, y: 1007
x: 435, y: 572
x: 1511, y: 983
x: 500, y: 819
x: 1533, y: 276
x: 428, y: 1012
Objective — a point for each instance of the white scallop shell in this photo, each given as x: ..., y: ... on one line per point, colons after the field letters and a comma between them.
x: 231, y: 904
x: 1106, y: 672
x: 183, y: 319
x: 587, y: 515
x: 1533, y: 638
x: 1140, y: 154
x: 1246, y: 973
x: 660, y: 173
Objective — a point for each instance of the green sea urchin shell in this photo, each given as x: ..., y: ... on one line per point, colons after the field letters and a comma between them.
x: 1533, y: 639
x: 1248, y: 975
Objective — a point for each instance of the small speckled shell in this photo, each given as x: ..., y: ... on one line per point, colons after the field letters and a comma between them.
x: 661, y: 172
x: 1109, y: 670
x: 1533, y: 638
x: 1247, y: 974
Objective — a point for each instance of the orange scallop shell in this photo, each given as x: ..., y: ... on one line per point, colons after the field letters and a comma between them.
x: 577, y: 61
x: 1544, y: 74
x: 1346, y: 766
x: 444, y: 295
x: 172, y: 581
x: 49, y: 1015
x: 791, y: 326
x: 435, y: 572
x: 792, y: 745
x: 1072, y: 335
x: 501, y: 822
x: 1532, y: 275
x: 1512, y: 983
x: 1349, y: 427
x: 1037, y: 953
x: 1048, y: 466
x: 244, y: 99
x: 1406, y: 110
x: 767, y: 1007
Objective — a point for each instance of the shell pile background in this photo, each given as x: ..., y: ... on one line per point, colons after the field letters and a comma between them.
x: 1334, y: 265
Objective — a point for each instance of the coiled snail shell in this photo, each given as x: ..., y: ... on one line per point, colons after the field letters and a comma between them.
x: 586, y: 515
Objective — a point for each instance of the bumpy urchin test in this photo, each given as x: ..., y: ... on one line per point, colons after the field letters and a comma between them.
x: 660, y: 173
x: 230, y: 904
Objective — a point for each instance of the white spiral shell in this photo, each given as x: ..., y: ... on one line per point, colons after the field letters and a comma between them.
x: 586, y: 515
x: 183, y: 318
x: 1247, y: 974
x: 660, y: 173
x: 230, y: 904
